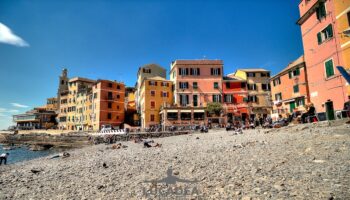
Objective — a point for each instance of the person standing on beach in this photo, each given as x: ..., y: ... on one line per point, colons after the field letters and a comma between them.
x: 4, y: 157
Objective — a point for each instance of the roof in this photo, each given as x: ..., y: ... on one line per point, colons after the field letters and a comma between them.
x: 232, y: 77
x: 81, y: 79
x: 151, y: 65
x: 290, y: 66
x: 198, y: 62
x: 254, y: 70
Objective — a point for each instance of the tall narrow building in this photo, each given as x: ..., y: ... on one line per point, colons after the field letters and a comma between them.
x: 323, y: 51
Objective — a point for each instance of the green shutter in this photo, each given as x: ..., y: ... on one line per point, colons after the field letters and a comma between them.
x: 298, y: 71
x: 290, y: 74
x: 319, y: 38
x: 329, y: 68
x: 323, y: 10
x: 329, y: 30
x: 296, y: 88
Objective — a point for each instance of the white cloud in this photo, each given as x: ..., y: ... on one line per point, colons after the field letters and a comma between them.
x: 18, y: 105
x: 4, y: 110
x: 8, y: 37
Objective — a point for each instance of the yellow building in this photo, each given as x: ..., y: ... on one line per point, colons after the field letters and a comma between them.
x: 155, y: 92
x: 52, y: 104
x: 342, y: 13
x: 259, y: 95
x: 77, y: 89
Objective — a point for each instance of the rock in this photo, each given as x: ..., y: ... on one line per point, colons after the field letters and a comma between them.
x: 278, y: 187
x: 176, y: 173
x: 104, y: 165
x: 197, y: 138
x: 36, y: 170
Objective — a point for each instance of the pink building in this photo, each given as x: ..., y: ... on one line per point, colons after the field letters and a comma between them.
x: 320, y: 37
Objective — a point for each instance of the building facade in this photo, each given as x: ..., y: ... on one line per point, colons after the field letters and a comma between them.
x: 38, y: 118
x: 342, y: 13
x: 259, y: 95
x: 235, y: 98
x: 289, y: 89
x: 107, y: 105
x: 147, y: 71
x: 323, y: 52
x: 155, y: 93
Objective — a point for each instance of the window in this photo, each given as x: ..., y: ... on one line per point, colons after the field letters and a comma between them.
x: 228, y: 85
x: 195, y: 85
x: 265, y: 74
x: 152, y: 118
x: 118, y: 87
x: 321, y: 11
x: 250, y: 74
x: 243, y: 85
x: 252, y: 99
x: 217, y: 98
x: 349, y: 19
x: 252, y: 86
x: 118, y: 96
x: 183, y: 85
x: 153, y: 104
x: 165, y: 84
x: 153, y: 83
x: 174, y: 74
x: 228, y: 98
x: 278, y: 97
x: 110, y: 85
x: 195, y: 100
x: 198, y: 116
x: 329, y: 68
x: 110, y: 96
x: 216, y: 85
x: 184, y: 99
x: 294, y: 73
x: 109, y: 104
x: 109, y: 115
x: 300, y: 102
x: 276, y: 81
x: 164, y: 94
x: 185, y: 116
x: 153, y: 93
x: 215, y: 71
x: 172, y: 116
x: 296, y: 88
x: 194, y: 71
x: 183, y: 71
x: 146, y: 70
x: 325, y: 34
x: 117, y: 107
x: 265, y: 87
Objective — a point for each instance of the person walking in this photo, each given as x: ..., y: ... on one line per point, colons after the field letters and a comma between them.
x: 3, y: 157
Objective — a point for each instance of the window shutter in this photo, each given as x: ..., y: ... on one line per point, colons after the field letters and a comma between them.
x: 290, y: 74
x: 330, y: 30
x: 180, y: 71
x: 187, y: 99
x: 191, y: 71
x: 219, y: 71
x: 211, y: 71
x: 298, y: 71
x: 198, y: 71
x: 319, y: 38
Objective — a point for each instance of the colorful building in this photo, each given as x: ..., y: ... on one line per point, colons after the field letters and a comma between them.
x: 289, y: 88
x: 235, y: 98
x: 108, y: 99
x: 131, y: 116
x: 323, y: 52
x: 259, y: 95
x: 155, y: 92
x: 196, y: 83
x: 342, y: 13
x: 147, y: 71
x: 52, y: 104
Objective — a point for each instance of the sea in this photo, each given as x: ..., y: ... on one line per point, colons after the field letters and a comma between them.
x: 22, y: 153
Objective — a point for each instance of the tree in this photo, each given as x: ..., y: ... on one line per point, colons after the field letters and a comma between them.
x: 214, y: 108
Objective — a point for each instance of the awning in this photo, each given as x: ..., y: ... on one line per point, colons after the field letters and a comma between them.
x: 171, y: 111
x: 185, y: 111
x: 198, y: 111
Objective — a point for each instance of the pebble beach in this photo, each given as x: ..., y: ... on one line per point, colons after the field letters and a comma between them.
x: 296, y: 162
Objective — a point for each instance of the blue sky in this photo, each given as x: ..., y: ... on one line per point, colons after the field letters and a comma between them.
x: 111, y: 39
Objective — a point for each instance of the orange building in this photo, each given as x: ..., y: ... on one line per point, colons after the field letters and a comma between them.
x: 323, y: 52
x: 289, y: 88
x: 108, y: 98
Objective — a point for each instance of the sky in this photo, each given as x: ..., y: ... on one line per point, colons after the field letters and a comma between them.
x: 112, y: 39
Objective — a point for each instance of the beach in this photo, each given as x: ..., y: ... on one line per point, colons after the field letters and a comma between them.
x: 309, y: 161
